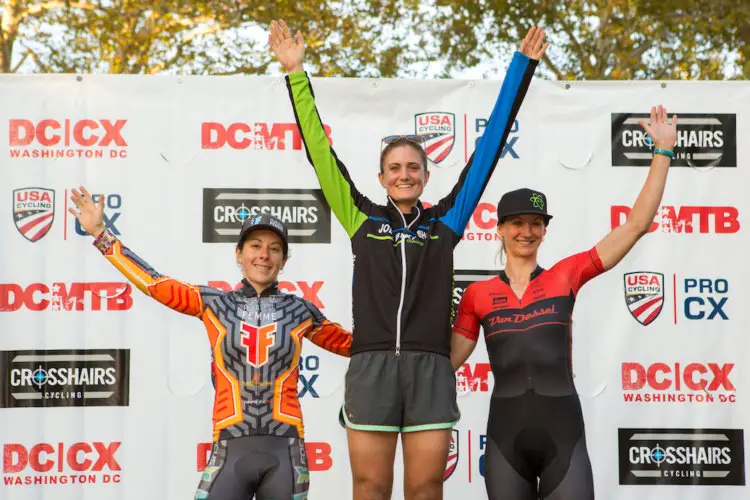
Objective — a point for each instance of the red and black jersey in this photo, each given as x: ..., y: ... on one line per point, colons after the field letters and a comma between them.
x: 528, y: 340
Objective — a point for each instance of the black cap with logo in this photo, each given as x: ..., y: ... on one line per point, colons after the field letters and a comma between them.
x: 265, y: 221
x: 520, y: 202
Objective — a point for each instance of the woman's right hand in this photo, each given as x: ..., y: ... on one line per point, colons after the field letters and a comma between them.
x: 534, y: 45
x: 289, y: 52
x: 88, y: 213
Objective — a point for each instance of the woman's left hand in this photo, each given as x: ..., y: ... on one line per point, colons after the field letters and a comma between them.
x: 662, y: 133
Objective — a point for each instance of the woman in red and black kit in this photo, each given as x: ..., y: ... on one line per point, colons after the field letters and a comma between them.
x: 536, y: 446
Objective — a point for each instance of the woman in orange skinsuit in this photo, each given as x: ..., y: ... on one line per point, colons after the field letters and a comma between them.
x: 256, y: 337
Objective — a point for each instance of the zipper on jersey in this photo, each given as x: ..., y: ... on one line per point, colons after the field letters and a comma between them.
x: 403, y: 275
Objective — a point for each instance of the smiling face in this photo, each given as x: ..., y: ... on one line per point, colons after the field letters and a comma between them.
x: 261, y: 257
x: 404, y: 173
x: 522, y: 235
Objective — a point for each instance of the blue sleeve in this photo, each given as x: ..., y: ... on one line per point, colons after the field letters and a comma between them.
x: 455, y: 209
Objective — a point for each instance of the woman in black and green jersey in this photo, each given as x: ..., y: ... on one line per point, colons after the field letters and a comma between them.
x: 400, y: 378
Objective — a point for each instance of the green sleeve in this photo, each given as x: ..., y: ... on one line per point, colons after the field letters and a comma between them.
x: 349, y: 206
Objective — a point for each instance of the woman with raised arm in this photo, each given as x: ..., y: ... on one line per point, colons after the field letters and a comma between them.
x: 400, y: 379
x: 536, y: 443
x: 256, y: 336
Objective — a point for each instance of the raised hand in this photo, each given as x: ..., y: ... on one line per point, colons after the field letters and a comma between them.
x: 662, y: 133
x: 88, y: 213
x: 534, y: 46
x: 289, y: 52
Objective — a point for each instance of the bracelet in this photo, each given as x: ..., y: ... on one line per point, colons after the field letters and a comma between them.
x: 665, y: 152
x: 105, y: 241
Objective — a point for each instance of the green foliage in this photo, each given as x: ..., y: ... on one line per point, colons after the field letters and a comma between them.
x: 359, y: 37
x: 604, y: 39
x: 591, y: 39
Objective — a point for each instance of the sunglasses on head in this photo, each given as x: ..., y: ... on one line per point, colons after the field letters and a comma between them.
x: 390, y: 139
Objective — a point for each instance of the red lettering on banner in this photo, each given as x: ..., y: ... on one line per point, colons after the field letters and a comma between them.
x: 482, y: 224
x: 64, y: 297
x: 484, y: 216
x: 661, y: 376
x: 318, y: 456
x: 433, y: 120
x: 308, y: 291
x: 473, y: 381
x: 259, y: 136
x: 642, y: 279
x: 682, y: 219
x: 43, y: 457
x: 50, y: 132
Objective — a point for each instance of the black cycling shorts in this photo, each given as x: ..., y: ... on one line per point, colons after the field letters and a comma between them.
x: 536, y: 449
x: 260, y: 467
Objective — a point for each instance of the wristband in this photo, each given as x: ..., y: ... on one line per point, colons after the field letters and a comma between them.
x: 665, y: 152
x: 105, y: 241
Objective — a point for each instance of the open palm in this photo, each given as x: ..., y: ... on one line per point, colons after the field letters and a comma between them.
x: 88, y: 213
x: 662, y: 133
x: 289, y: 51
x: 533, y: 45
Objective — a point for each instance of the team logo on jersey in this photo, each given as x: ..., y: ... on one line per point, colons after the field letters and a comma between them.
x: 644, y: 295
x: 452, y: 456
x: 258, y: 342
x: 33, y: 212
x: 439, y: 131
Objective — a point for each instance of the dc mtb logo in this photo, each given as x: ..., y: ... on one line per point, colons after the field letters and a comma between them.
x: 644, y: 295
x: 439, y: 132
x: 33, y: 211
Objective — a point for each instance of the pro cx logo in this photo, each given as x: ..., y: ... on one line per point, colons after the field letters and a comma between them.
x: 113, y: 207
x: 258, y: 342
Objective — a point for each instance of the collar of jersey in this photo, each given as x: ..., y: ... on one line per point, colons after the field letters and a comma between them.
x: 248, y: 290
x: 410, y: 216
x: 536, y: 272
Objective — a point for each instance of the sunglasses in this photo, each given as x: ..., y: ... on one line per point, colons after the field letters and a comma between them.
x: 390, y: 139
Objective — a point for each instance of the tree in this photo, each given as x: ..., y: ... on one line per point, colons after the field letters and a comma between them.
x: 347, y: 37
x: 592, y: 39
x: 604, y: 39
x: 15, y: 15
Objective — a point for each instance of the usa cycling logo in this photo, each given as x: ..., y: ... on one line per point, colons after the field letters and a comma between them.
x: 644, y: 295
x: 450, y: 467
x: 439, y: 131
x: 33, y: 211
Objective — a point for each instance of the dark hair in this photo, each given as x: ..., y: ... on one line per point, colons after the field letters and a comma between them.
x: 241, y: 244
x: 402, y: 142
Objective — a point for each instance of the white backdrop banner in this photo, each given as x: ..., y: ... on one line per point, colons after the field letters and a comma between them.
x: 659, y: 343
